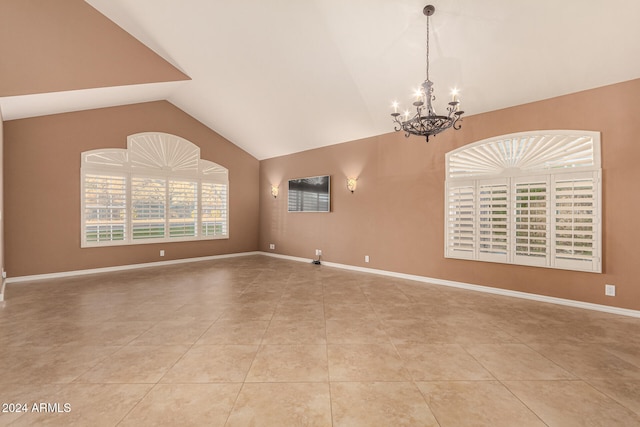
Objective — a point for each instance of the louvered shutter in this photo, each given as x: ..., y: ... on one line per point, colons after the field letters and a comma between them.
x: 493, y: 216
x: 183, y: 208
x: 104, y: 207
x: 531, y: 213
x: 158, y: 189
x: 214, y: 209
x: 148, y: 207
x: 460, y: 217
x: 531, y: 198
x: 576, y: 223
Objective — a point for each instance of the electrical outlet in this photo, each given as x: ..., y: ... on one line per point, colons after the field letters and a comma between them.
x: 161, y: 252
x: 610, y: 290
x: 318, y: 252
x: 272, y: 246
x: 366, y: 258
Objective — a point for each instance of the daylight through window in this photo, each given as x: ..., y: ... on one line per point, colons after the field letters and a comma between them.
x: 530, y: 198
x: 158, y: 189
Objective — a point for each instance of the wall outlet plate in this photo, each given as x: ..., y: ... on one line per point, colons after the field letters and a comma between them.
x: 610, y: 290
x: 318, y: 252
x: 272, y: 246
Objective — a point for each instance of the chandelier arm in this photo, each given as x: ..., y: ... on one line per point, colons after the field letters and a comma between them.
x: 397, y: 122
x: 456, y: 125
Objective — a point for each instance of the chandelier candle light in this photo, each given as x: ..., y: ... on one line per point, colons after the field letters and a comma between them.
x: 426, y: 122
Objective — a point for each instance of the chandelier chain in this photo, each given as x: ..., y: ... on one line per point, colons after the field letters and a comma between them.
x: 427, y: 67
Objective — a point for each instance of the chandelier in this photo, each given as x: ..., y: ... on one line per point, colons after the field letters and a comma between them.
x: 426, y: 122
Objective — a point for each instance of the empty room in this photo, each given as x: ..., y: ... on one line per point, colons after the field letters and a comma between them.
x: 319, y: 213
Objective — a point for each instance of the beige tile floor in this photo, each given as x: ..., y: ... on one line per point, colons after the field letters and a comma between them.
x: 253, y: 341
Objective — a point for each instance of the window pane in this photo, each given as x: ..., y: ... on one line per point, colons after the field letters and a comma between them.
x: 546, y: 214
x: 183, y: 208
x: 574, y: 230
x: 151, y: 192
x: 461, y: 212
x: 494, y: 218
x: 214, y: 209
x: 104, y: 208
x: 531, y: 219
x: 148, y: 201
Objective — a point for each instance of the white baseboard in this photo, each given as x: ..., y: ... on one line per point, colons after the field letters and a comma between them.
x: 123, y: 267
x: 423, y: 279
x: 472, y: 287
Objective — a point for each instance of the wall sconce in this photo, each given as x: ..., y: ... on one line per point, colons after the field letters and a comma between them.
x: 351, y: 184
x: 274, y: 191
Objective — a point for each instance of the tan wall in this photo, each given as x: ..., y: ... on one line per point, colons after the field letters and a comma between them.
x: 51, y: 46
x: 396, y: 215
x: 42, y: 187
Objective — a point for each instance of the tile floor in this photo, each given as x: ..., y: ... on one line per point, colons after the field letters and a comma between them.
x: 253, y: 341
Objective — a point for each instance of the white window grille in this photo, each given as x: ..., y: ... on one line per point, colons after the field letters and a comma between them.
x: 530, y: 198
x: 158, y: 189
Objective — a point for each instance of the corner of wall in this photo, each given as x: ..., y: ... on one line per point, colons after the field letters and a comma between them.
x: 2, y: 205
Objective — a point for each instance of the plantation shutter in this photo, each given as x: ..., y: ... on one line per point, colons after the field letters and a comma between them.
x: 148, y: 206
x: 214, y: 209
x: 531, y: 220
x: 493, y: 216
x: 158, y: 189
x: 530, y: 198
x: 183, y: 208
x: 104, y: 207
x: 576, y: 226
x: 460, y: 217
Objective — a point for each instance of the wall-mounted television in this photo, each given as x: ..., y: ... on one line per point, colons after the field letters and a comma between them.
x: 312, y: 194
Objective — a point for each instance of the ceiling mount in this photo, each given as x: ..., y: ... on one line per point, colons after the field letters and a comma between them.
x: 429, y: 10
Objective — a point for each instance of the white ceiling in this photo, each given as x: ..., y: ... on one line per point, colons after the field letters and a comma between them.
x: 41, y: 104
x: 282, y: 76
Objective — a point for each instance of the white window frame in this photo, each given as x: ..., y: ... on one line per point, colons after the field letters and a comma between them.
x: 541, y: 158
x: 162, y: 156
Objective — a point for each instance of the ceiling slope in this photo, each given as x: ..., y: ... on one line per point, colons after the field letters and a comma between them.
x: 61, y: 56
x: 276, y: 77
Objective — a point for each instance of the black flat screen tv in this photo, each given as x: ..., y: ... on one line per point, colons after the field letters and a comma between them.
x: 312, y: 194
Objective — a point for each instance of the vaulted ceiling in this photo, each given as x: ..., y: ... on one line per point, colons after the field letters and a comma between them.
x: 281, y: 76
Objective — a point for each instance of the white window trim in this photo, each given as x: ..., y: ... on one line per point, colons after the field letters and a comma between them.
x: 537, y: 156
x: 153, y: 154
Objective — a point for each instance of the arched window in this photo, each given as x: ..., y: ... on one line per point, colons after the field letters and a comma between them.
x: 156, y: 190
x: 530, y: 198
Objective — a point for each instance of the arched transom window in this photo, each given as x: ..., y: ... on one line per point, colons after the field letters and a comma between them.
x: 531, y: 198
x: 157, y: 189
